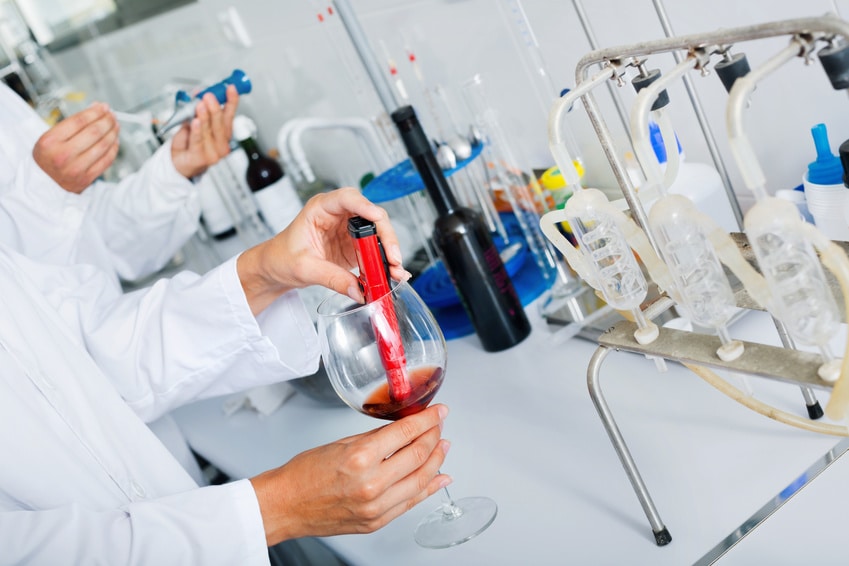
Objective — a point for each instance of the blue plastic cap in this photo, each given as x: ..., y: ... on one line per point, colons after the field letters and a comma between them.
x: 657, y: 142
x: 827, y: 169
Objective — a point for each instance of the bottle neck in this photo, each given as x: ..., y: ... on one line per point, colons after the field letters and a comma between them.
x: 421, y: 154
x: 435, y: 182
x: 251, y: 148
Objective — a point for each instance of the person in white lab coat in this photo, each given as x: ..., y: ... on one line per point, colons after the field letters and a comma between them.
x: 83, y: 480
x: 53, y: 209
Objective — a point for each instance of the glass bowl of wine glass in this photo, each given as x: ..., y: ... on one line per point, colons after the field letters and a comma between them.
x: 387, y: 359
x: 358, y: 355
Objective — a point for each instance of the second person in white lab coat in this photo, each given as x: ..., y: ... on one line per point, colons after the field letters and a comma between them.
x: 54, y: 209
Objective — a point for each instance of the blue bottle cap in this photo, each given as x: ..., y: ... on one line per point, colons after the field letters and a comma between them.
x: 657, y: 142
x: 827, y: 169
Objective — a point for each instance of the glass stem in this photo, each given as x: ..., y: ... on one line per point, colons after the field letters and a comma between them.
x: 449, y: 508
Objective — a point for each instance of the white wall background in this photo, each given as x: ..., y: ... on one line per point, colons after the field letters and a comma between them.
x: 303, y: 67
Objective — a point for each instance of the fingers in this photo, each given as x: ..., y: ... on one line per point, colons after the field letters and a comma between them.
x: 75, y: 123
x: 103, y: 157
x: 418, y: 486
x: 230, y: 111
x: 207, y: 138
x: 334, y: 277
x: 349, y: 201
x: 407, y: 477
x: 79, y: 149
x: 392, y: 438
x: 202, y: 142
x: 216, y: 134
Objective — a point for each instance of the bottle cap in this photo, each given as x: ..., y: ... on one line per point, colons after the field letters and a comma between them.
x: 826, y: 169
x: 243, y: 127
x: 657, y: 142
x: 359, y: 227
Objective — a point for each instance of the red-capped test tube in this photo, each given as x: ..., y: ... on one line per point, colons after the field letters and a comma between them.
x: 374, y: 279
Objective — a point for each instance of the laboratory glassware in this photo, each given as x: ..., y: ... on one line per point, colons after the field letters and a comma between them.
x: 351, y: 353
x: 604, y: 259
x: 698, y: 282
x: 782, y: 243
x: 185, y: 104
x: 540, y: 78
x: 505, y: 171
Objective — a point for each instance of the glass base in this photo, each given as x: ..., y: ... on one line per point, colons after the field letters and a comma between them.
x: 451, y: 525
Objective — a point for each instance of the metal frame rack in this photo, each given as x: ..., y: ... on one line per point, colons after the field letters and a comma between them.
x: 784, y: 364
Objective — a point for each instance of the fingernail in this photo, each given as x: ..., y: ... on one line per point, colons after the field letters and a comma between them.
x: 407, y: 275
x: 445, y: 482
x: 446, y: 446
x: 355, y: 294
x: 442, y: 410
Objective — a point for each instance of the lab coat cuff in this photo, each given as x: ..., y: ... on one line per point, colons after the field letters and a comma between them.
x: 248, y: 516
x: 170, y: 184
x: 212, y: 525
x: 49, y: 198
x: 285, y: 325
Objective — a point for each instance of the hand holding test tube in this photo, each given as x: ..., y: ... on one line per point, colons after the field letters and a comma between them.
x: 186, y: 104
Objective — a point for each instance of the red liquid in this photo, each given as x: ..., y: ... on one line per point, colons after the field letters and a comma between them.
x: 424, y: 382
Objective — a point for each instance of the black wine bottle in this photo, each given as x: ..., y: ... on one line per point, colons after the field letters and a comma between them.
x: 466, y: 248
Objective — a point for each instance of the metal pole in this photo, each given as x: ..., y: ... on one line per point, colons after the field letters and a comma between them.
x: 361, y: 44
x: 591, y: 39
x: 661, y: 533
x: 703, y: 122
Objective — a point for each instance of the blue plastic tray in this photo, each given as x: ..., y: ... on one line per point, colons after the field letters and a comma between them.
x: 435, y: 287
x: 403, y: 179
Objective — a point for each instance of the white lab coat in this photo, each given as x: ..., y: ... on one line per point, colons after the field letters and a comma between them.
x: 82, y: 479
x: 131, y: 228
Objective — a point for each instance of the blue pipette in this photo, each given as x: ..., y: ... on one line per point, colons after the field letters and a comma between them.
x: 185, y: 104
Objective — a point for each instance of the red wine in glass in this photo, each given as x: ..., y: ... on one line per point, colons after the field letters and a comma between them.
x: 424, y: 381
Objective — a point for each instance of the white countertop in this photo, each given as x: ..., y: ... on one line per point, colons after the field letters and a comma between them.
x: 524, y: 432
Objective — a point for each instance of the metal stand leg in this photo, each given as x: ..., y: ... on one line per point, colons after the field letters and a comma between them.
x: 661, y: 533
x: 813, y: 405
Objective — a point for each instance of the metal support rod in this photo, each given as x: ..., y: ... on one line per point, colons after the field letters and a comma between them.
x: 811, y: 402
x: 826, y: 26
x: 628, y: 191
x: 361, y: 44
x: 591, y: 39
x: 812, y: 29
x: 661, y: 533
x: 710, y: 139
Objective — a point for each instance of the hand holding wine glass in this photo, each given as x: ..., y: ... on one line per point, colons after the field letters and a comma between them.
x: 349, y: 486
x: 387, y: 359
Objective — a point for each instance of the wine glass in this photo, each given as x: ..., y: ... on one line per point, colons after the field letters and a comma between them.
x: 381, y: 376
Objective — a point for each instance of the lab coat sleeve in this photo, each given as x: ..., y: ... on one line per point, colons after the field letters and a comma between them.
x: 211, y: 526
x: 184, y: 338
x: 146, y: 217
x: 131, y: 228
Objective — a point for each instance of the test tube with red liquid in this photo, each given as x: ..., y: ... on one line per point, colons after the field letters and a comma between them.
x: 374, y: 279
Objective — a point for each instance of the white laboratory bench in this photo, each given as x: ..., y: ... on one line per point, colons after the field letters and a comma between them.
x: 524, y: 432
